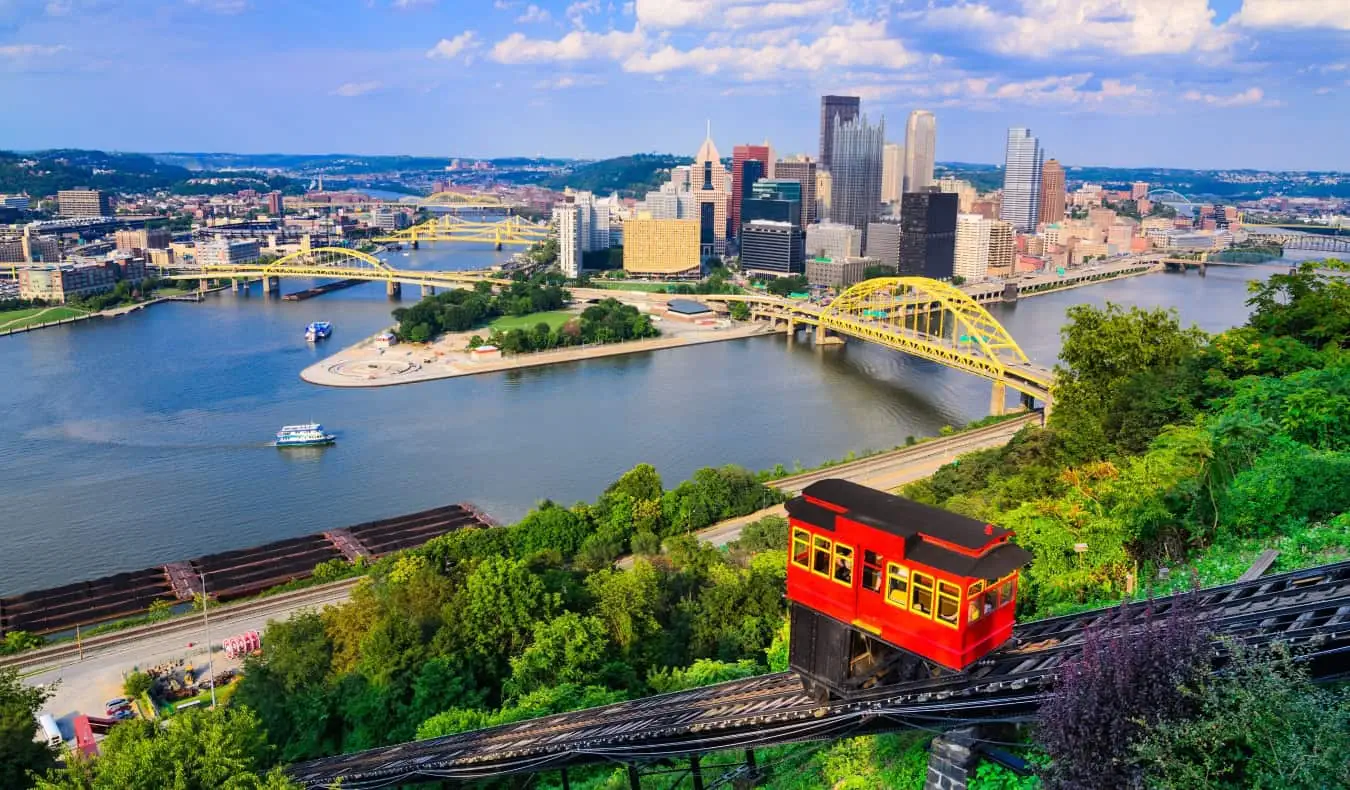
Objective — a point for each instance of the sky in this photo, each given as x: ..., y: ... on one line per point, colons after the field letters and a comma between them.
x: 1133, y: 83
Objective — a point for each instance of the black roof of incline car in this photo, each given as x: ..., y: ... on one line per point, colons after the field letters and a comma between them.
x: 913, y: 521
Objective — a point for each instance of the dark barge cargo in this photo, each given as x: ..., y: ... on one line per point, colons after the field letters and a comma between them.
x: 229, y: 575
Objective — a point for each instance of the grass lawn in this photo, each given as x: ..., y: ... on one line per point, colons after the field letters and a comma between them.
x: 554, y: 319
x: 169, y: 291
x: 16, y: 319
x: 624, y: 285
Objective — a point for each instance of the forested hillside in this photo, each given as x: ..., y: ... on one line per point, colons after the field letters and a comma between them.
x: 631, y: 176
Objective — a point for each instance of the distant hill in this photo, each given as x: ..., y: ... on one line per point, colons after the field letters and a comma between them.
x: 44, y: 173
x: 631, y: 176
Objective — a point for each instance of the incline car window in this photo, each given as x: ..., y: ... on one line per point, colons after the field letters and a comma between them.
x: 801, y: 547
x: 897, y: 585
x: 843, y: 564
x: 820, y: 560
x: 949, y: 603
x: 871, y: 571
x: 922, y: 598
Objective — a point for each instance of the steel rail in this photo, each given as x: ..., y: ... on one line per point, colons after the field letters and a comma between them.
x: 1301, y: 607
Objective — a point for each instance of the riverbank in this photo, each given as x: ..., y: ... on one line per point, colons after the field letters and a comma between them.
x: 365, y: 365
x: 64, y: 313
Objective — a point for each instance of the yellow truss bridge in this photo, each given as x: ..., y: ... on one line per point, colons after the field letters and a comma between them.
x: 512, y: 231
x: 924, y: 318
x: 336, y: 263
x: 461, y: 200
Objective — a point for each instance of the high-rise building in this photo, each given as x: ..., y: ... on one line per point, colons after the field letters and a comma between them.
x: 920, y: 151
x: 83, y: 203
x: 1021, y: 180
x: 223, y: 252
x: 1052, y: 192
x: 928, y: 234
x: 139, y: 240
x: 883, y: 242
x: 855, y: 191
x: 971, y: 260
x: 774, y: 199
x: 834, y: 109
x: 568, y: 225
x: 837, y: 272
x: 772, y: 248
x: 661, y: 247
x: 1001, y: 249
x: 824, y: 188
x: 752, y: 171
x: 275, y: 206
x: 892, y: 174
x: 740, y: 184
x: 964, y: 191
x: 1138, y: 190
x: 709, y: 188
x: 803, y: 171
x: 833, y: 240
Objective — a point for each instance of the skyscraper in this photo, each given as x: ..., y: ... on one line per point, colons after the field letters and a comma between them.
x: 709, y: 187
x: 843, y: 108
x: 803, y: 171
x: 1052, y: 192
x: 928, y: 234
x: 740, y: 185
x: 855, y: 190
x: 567, y: 222
x: 1021, y: 180
x: 920, y: 151
x: 972, y: 246
x: 892, y: 174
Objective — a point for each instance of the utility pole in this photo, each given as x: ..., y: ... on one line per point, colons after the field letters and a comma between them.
x: 206, y: 624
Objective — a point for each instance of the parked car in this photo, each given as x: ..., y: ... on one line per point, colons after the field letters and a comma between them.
x: 123, y: 713
x: 114, y: 705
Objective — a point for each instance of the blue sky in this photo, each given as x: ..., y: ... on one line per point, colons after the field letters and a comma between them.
x: 1180, y: 83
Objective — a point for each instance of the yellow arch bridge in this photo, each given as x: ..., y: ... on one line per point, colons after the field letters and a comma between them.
x: 512, y: 231
x: 337, y: 263
x: 924, y: 318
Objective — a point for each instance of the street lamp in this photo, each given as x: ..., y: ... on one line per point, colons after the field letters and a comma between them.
x: 206, y: 624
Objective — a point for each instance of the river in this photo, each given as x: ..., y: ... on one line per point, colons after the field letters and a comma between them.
x: 146, y: 439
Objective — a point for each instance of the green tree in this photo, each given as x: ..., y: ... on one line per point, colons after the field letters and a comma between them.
x: 20, y: 754
x: 739, y: 311
x: 1103, y: 350
x: 136, y: 684
x: 201, y: 749
x: 1261, y: 723
x: 1311, y: 307
x: 569, y: 648
x: 502, y: 601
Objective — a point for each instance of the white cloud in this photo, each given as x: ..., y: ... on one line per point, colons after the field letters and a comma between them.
x: 533, y: 14
x: 221, y: 6
x: 58, y: 7
x: 1294, y: 14
x: 861, y: 44
x: 568, y: 81
x: 673, y: 14
x: 448, y: 48
x: 1048, y: 27
x: 1242, y: 99
x: 17, y: 51
x: 577, y: 45
x: 576, y: 12
x: 356, y: 88
x: 1324, y: 90
x: 403, y: 5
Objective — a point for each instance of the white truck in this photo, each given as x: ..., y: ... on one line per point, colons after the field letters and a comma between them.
x: 50, y: 732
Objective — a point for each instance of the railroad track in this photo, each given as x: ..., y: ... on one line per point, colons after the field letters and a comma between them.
x: 68, y: 652
x: 1308, y: 609
x: 887, y: 461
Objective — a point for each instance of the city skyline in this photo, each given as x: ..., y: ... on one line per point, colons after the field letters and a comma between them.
x: 1253, y: 83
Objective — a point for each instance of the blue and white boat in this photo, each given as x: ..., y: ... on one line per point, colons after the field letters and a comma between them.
x: 307, y: 435
x: 318, y: 330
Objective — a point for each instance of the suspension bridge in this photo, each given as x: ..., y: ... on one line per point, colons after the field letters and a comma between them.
x: 512, y: 231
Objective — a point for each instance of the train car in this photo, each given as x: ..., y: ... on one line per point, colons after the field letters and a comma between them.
x: 883, y: 589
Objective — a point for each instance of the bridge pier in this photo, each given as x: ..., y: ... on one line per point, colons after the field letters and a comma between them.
x: 414, y: 244
x: 234, y: 284
x: 428, y: 290
x: 998, y: 403
x: 270, y: 285
x: 393, y: 289
x: 203, y: 284
x: 824, y: 338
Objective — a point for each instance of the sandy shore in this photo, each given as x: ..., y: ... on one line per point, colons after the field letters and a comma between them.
x: 364, y: 365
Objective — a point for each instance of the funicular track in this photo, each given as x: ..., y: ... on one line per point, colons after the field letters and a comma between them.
x: 1307, y: 609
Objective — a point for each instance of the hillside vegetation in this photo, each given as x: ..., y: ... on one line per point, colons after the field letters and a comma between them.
x: 1166, y: 448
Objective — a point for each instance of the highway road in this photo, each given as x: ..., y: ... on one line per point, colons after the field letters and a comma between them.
x: 87, y: 680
